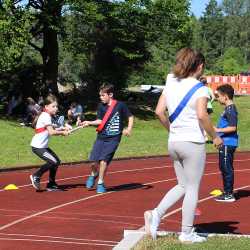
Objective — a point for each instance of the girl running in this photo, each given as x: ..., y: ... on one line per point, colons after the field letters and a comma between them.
x: 39, y: 144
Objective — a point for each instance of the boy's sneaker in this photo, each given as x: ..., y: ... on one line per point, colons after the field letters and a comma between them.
x: 35, y: 181
x: 91, y: 181
x: 152, y: 222
x: 192, y: 237
x: 53, y: 187
x: 225, y: 197
x: 100, y: 189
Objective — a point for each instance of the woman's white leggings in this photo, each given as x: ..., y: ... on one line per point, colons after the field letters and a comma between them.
x: 189, y: 162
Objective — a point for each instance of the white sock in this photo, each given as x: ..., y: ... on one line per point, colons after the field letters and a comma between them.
x: 100, y: 181
x: 94, y: 174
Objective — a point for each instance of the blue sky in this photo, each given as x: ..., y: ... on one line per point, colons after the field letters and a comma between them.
x: 198, y: 6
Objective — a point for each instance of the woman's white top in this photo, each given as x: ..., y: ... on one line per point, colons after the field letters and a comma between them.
x: 40, y: 140
x: 186, y: 126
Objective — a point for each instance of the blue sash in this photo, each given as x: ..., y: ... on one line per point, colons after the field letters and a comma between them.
x: 184, y: 101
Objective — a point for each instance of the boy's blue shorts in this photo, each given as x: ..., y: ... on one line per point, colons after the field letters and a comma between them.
x: 104, y: 149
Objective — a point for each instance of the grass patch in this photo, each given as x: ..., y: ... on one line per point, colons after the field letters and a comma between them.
x: 148, y: 138
x: 172, y: 243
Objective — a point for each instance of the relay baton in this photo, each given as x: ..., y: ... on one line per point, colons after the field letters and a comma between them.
x: 75, y: 129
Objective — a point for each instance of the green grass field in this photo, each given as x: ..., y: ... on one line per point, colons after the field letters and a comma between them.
x: 171, y: 243
x: 148, y: 138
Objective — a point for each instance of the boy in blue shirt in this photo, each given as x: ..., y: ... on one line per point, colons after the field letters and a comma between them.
x: 227, y: 130
x: 111, y: 116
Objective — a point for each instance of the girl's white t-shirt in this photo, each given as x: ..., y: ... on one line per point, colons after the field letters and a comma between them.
x: 186, y: 126
x: 40, y: 140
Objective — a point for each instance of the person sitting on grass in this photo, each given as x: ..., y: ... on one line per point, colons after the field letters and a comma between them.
x: 75, y: 113
x: 227, y: 130
x: 111, y: 115
x: 32, y: 110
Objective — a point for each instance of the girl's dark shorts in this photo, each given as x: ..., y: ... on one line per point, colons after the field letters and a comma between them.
x: 104, y: 149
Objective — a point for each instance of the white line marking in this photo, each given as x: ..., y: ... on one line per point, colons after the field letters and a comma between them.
x: 81, y: 219
x: 81, y: 176
x: 84, y: 199
x: 56, y: 237
x: 68, y: 213
x: 120, y: 171
x: 200, y: 201
x: 57, y: 241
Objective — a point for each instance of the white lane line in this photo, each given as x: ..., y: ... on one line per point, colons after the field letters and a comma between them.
x: 115, y: 172
x: 57, y: 237
x: 84, y: 199
x: 200, y: 201
x: 204, y: 199
x: 81, y: 219
x: 50, y: 209
x: 68, y: 213
x: 57, y: 241
x: 120, y: 171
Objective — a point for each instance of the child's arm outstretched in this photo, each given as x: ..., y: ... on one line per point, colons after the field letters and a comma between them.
x: 90, y: 123
x: 53, y: 131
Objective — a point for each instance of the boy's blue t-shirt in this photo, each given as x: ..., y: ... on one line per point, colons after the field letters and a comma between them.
x: 229, y: 118
x: 115, y: 124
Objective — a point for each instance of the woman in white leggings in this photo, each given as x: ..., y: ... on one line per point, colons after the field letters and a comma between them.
x: 186, y: 101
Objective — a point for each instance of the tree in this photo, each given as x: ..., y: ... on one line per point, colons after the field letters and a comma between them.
x: 46, y: 27
x: 231, y: 63
x: 14, y: 34
x: 237, y: 23
x: 111, y: 36
x: 212, y: 33
x: 169, y: 28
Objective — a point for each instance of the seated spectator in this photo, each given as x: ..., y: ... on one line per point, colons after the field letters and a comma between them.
x: 13, y: 102
x: 58, y: 121
x: 75, y: 113
x: 32, y: 110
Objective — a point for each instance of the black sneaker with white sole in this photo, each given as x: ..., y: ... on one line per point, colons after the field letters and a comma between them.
x: 53, y: 187
x: 225, y: 197
x: 35, y: 181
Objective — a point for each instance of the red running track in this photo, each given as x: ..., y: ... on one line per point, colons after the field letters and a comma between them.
x: 81, y: 219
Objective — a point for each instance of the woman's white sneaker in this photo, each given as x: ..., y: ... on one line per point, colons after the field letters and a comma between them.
x: 152, y: 222
x: 192, y: 237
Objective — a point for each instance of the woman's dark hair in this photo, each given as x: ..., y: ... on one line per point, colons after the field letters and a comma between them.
x: 187, y: 62
x: 48, y: 100
x: 226, y: 89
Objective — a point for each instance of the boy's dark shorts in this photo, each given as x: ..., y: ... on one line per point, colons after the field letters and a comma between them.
x: 104, y: 149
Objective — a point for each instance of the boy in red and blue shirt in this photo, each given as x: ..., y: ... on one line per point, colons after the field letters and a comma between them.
x: 227, y: 130
x: 111, y: 115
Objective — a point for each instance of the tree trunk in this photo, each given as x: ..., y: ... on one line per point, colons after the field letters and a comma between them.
x: 50, y: 61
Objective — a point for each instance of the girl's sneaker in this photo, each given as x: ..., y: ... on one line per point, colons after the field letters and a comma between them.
x: 53, y: 187
x: 35, y: 181
x: 192, y: 237
x: 152, y: 222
